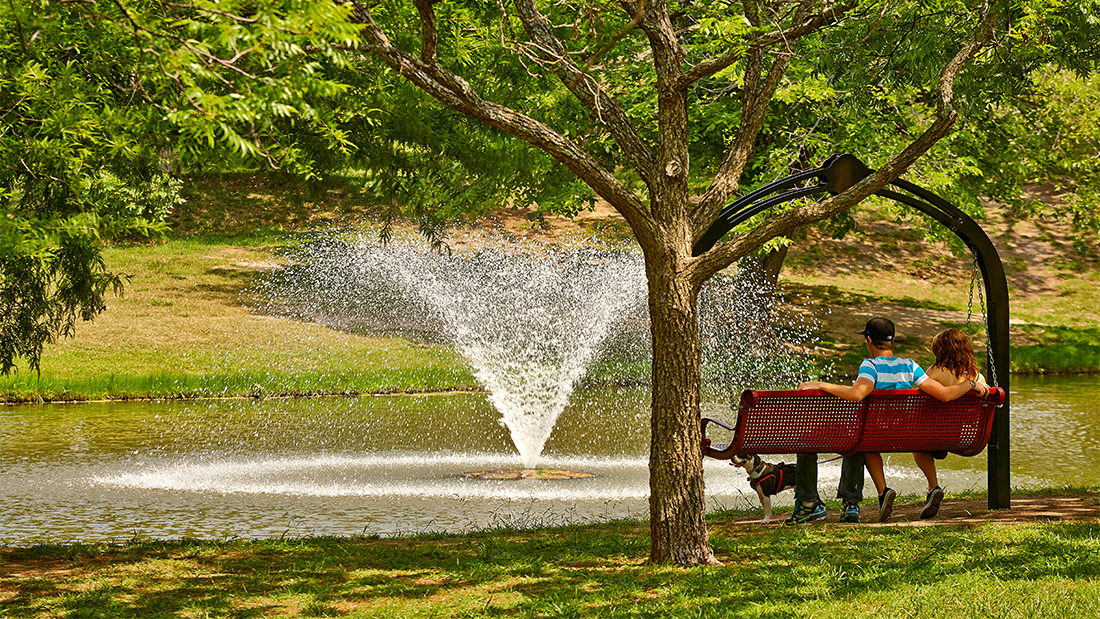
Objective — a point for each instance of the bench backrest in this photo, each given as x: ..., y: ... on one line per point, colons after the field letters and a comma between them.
x: 887, y: 420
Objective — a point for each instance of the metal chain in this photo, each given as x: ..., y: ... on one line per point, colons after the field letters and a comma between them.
x: 985, y: 320
x: 970, y: 300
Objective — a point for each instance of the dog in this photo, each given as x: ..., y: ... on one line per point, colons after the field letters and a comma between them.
x: 767, y: 479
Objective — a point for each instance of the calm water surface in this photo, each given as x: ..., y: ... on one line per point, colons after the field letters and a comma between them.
x: 394, y: 465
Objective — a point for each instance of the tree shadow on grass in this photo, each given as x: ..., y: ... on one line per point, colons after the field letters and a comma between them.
x: 770, y: 572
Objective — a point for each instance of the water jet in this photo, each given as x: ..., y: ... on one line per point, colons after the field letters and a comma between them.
x: 530, y: 319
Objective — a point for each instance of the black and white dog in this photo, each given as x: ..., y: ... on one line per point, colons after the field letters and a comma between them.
x: 767, y: 479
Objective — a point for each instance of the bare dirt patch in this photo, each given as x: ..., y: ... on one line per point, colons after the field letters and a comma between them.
x: 1068, y: 507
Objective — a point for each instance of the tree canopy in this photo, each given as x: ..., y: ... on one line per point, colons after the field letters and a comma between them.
x: 100, y: 100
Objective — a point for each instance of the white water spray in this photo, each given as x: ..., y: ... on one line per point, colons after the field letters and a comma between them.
x: 529, y: 320
x: 530, y: 325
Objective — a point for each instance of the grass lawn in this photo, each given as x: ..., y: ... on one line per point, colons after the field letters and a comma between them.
x: 183, y: 329
x: 1024, y: 570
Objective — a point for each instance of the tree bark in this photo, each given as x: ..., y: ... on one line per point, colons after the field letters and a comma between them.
x: 677, y: 507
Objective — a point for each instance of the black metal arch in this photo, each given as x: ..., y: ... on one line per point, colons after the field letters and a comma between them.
x: 840, y: 172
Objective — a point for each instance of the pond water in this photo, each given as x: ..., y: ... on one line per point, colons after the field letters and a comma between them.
x: 394, y: 465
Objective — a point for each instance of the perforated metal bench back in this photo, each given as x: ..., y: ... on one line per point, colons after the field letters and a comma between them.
x: 797, y: 422
x: 910, y: 420
x: 896, y: 420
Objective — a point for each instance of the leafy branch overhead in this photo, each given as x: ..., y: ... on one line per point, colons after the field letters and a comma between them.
x: 600, y: 55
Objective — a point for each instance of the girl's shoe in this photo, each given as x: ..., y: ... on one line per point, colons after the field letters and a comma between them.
x: 932, y: 503
x: 886, y: 504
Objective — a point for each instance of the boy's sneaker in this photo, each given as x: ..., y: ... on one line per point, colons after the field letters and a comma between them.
x: 932, y: 504
x: 886, y: 504
x: 803, y: 513
x: 851, y: 513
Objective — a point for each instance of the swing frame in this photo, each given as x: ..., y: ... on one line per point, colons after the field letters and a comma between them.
x: 839, y: 173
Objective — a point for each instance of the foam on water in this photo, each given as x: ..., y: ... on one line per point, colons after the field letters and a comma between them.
x: 433, y: 475
x: 413, y: 475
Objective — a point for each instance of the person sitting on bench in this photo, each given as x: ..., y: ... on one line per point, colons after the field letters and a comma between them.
x: 955, y: 364
x: 883, y: 370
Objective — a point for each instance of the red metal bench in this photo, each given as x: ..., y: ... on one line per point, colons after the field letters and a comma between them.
x: 887, y: 420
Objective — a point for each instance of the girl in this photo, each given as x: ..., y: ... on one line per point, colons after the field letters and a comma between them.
x: 955, y: 363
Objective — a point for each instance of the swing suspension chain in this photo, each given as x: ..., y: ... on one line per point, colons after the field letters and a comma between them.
x: 975, y: 276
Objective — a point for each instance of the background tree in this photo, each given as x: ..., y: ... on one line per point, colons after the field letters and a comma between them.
x: 99, y: 99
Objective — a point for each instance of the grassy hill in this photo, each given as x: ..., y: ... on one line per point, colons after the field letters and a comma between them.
x: 183, y: 327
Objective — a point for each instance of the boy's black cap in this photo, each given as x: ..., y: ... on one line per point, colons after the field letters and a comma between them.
x: 879, y: 329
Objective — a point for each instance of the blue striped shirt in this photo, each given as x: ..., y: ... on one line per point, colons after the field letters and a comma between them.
x: 892, y: 373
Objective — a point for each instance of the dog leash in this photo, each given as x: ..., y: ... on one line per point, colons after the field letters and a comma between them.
x: 820, y: 462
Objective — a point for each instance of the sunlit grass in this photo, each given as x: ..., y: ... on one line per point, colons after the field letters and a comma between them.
x: 830, y: 570
x: 1064, y: 350
x: 183, y: 329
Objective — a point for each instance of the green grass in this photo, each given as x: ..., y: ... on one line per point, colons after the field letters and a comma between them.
x: 990, y: 570
x: 183, y: 328
x: 1065, y: 350
x: 27, y: 388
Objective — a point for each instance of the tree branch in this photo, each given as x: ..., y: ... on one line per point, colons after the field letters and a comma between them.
x: 670, y: 192
x: 429, y: 41
x: 634, y: 21
x: 605, y: 109
x: 456, y: 93
x: 808, y: 24
x: 754, y: 109
x: 783, y: 222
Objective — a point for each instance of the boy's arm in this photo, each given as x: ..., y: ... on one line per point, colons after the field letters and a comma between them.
x: 854, y: 392
x: 937, y: 390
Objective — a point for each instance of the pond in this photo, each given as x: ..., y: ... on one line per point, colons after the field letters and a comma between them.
x: 388, y: 466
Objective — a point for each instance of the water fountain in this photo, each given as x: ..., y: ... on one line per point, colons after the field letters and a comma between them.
x: 531, y: 319
x: 528, y: 318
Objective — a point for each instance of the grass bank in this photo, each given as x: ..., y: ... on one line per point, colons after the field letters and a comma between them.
x: 1033, y: 570
x: 183, y: 328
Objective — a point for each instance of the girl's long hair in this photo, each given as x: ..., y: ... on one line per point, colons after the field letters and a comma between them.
x: 955, y: 354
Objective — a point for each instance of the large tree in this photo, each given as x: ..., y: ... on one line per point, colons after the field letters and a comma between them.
x: 99, y: 99
x: 638, y: 70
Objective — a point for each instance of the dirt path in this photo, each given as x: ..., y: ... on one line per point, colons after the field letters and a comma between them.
x: 1046, y: 508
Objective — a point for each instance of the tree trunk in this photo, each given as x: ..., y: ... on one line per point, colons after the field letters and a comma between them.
x: 772, y: 264
x: 677, y: 507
